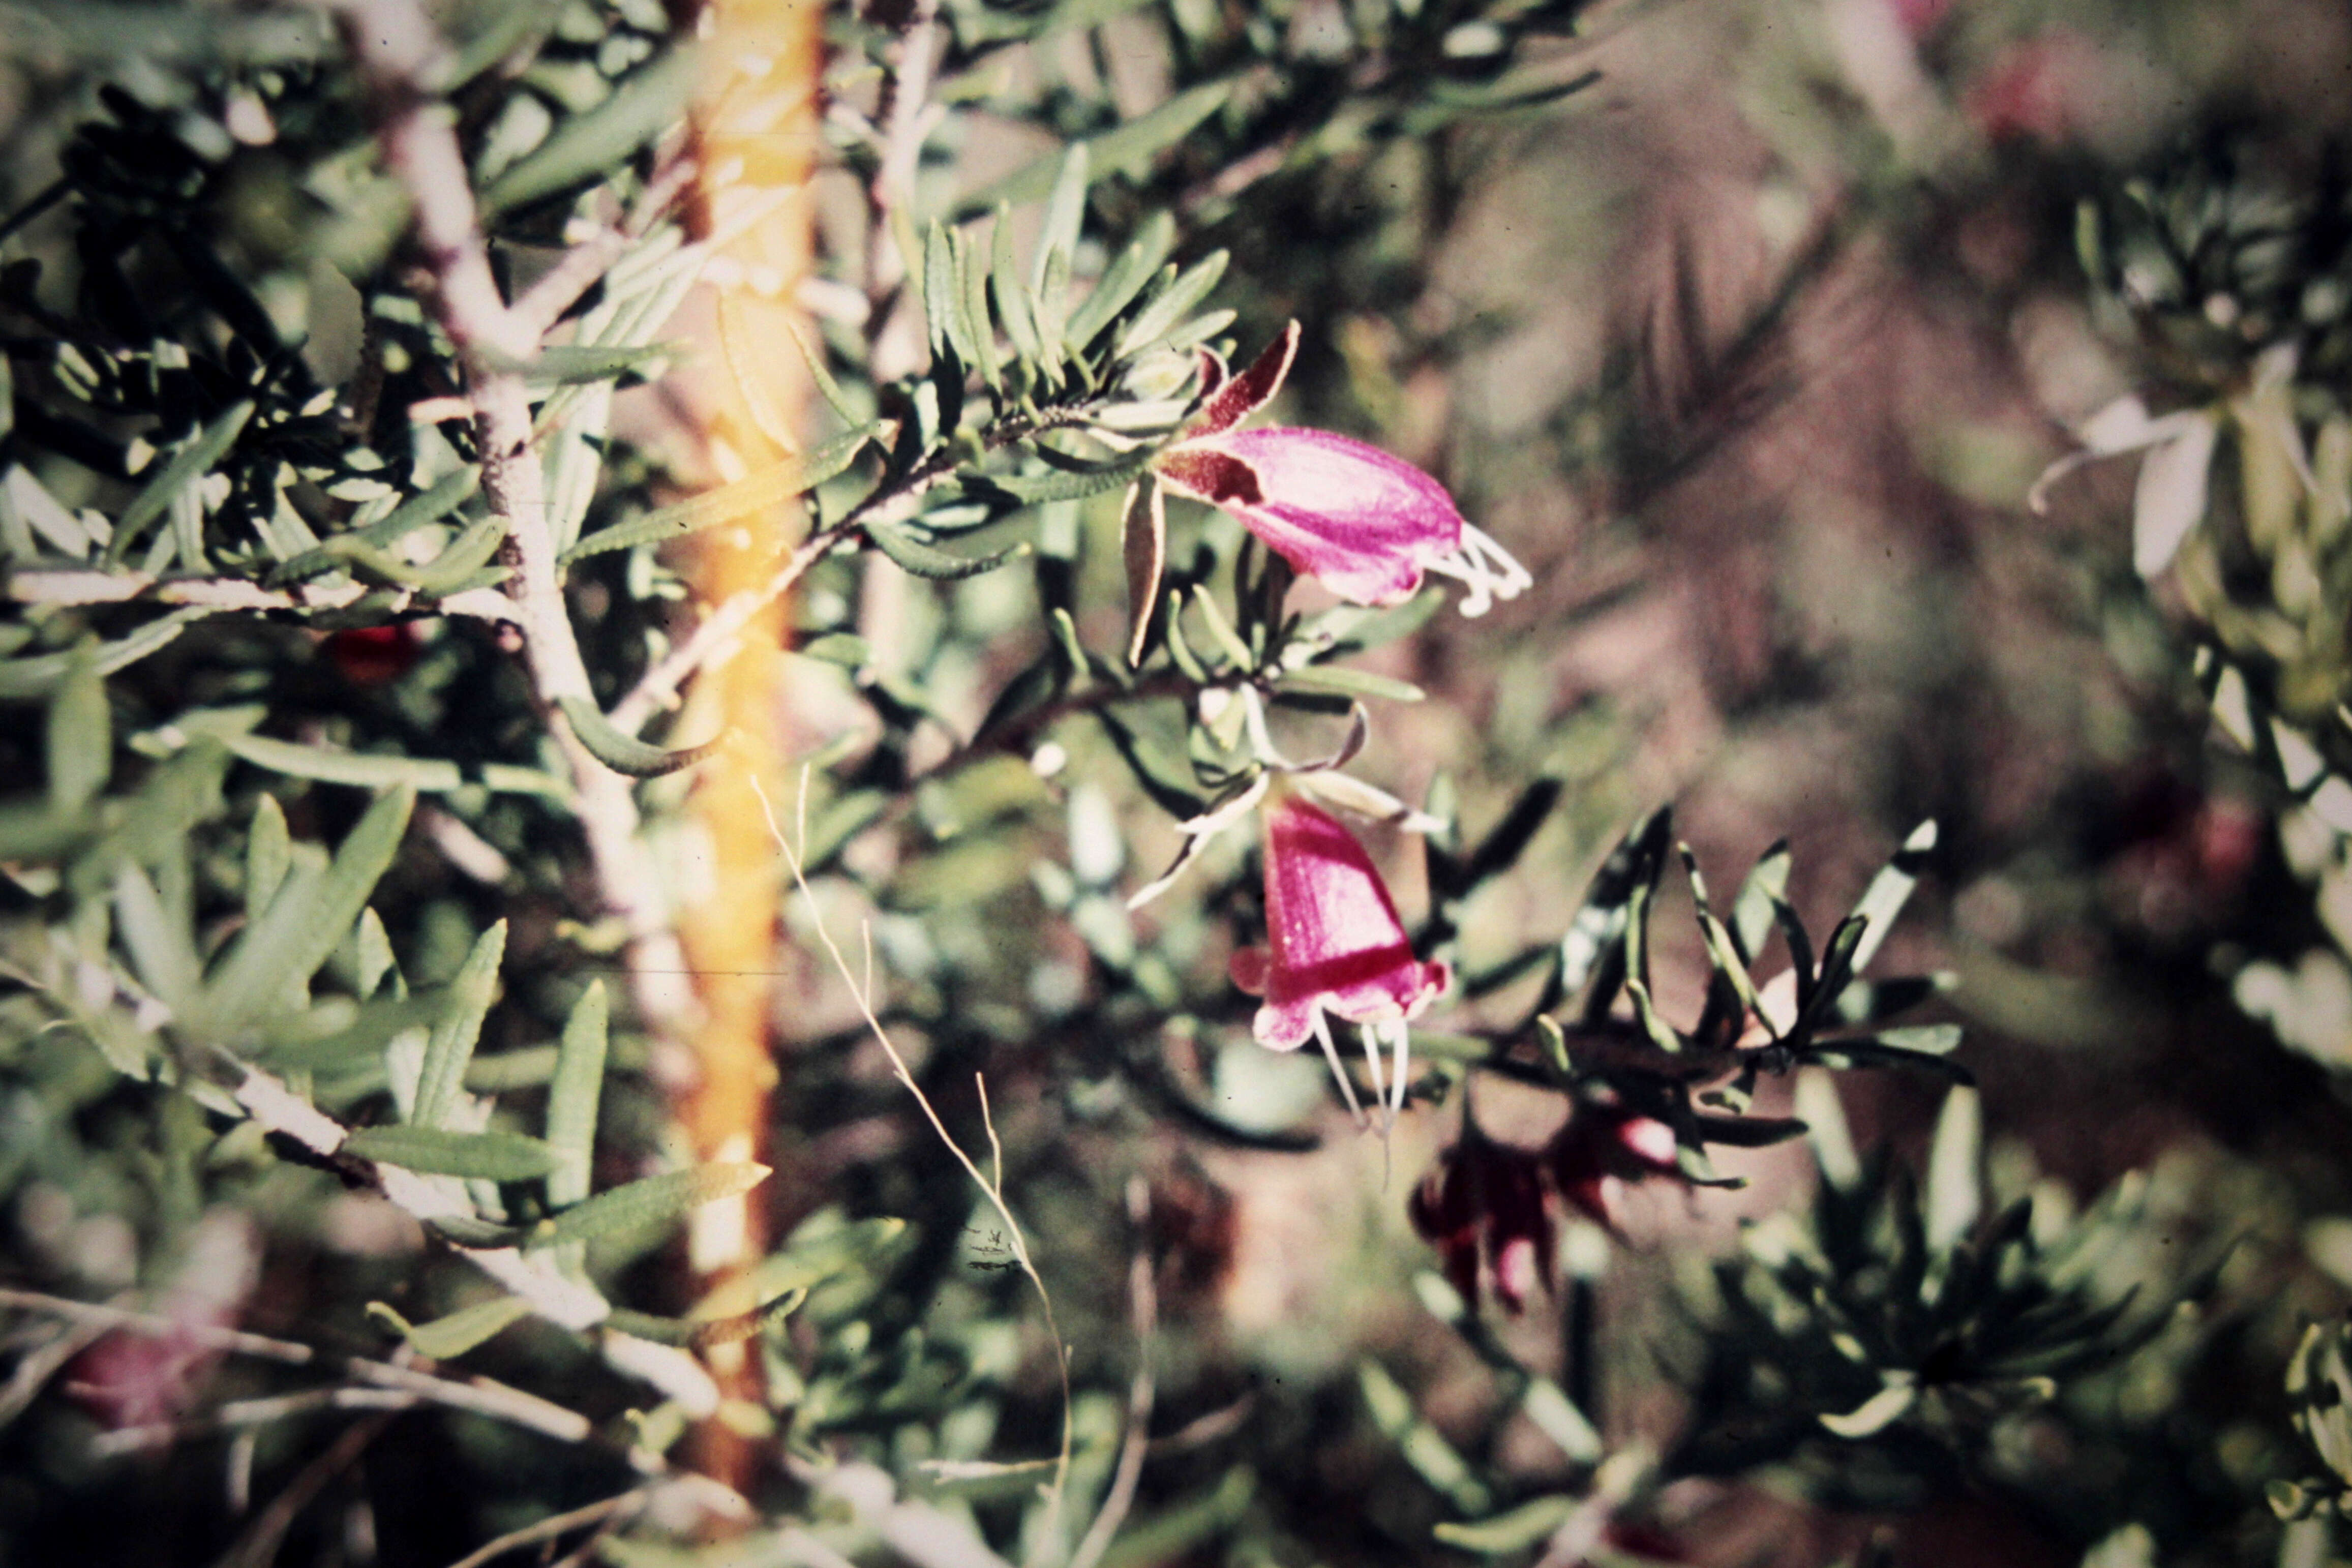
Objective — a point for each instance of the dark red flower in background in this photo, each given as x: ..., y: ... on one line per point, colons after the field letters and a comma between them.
x: 1488, y: 1198
x: 369, y: 656
x: 1602, y: 1148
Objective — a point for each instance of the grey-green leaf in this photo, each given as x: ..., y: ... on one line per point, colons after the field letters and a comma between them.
x: 1887, y: 892
x: 451, y: 1048
x: 756, y: 493
x: 81, y: 733
x: 912, y: 555
x: 446, y: 1338
x: 269, y: 854
x: 190, y: 463
x: 307, y: 918
x: 574, y: 1093
x: 643, y: 1203
x: 1124, y: 279
x: 625, y: 753
x: 640, y: 109
x: 1066, y: 212
x: 439, y: 1151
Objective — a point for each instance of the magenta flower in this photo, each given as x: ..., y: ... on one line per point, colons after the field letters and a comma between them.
x: 1363, y: 523
x: 1334, y: 946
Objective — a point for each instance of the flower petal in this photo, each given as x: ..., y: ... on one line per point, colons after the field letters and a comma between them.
x: 1217, y: 477
x: 1334, y: 940
x: 1362, y: 523
x: 1245, y: 393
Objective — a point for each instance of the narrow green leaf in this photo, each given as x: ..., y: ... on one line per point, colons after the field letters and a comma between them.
x: 1751, y: 912
x: 1645, y: 1011
x: 161, y: 949
x: 1353, y: 629
x: 913, y: 556
x: 1130, y: 150
x: 375, y: 959
x: 451, y: 1046
x: 654, y: 1200
x: 1143, y: 548
x: 1065, y: 212
x: 450, y: 492
x: 190, y: 464
x: 805, y: 1261
x: 1350, y: 682
x: 1220, y: 630
x: 1124, y: 279
x: 1061, y: 484
x: 1599, y: 929
x: 1156, y: 774
x: 1423, y: 1447
x: 1508, y: 840
x: 972, y: 279
x: 625, y: 753
x: 812, y: 356
x: 439, y: 1151
x: 1004, y: 285
x: 939, y: 292
x: 1955, y: 1189
x: 363, y: 770
x: 1888, y: 892
x: 26, y: 679
x: 756, y: 493
x: 446, y: 1338
x: 1929, y: 1039
x: 269, y: 854
x: 640, y: 108
x: 1050, y: 307
x: 1875, y: 1415
x: 1168, y: 307
x: 81, y: 733
x: 572, y: 1095
x: 572, y: 364
x: 307, y: 918
x: 1509, y: 1532
x: 1837, y: 969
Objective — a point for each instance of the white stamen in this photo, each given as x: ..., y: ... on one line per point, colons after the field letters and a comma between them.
x: 1370, y: 1033
x: 1486, y: 568
x: 1403, y: 1062
x: 1331, y: 1055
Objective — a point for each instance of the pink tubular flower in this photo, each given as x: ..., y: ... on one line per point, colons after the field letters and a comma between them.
x: 1334, y: 945
x: 1363, y: 523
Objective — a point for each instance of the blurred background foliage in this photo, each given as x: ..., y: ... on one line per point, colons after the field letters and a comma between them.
x: 1749, y: 328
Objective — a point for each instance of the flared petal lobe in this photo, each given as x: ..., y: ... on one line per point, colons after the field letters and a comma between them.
x: 1334, y: 944
x: 1363, y: 523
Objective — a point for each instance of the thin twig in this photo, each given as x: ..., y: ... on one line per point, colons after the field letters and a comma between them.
x: 241, y: 1414
x: 258, y: 1546
x: 548, y: 1529
x: 995, y: 1193
x: 480, y: 1396
x: 659, y: 684
x: 43, y: 1361
x: 157, y: 1327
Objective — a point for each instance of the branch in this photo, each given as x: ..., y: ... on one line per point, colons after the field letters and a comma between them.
x: 400, y: 57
